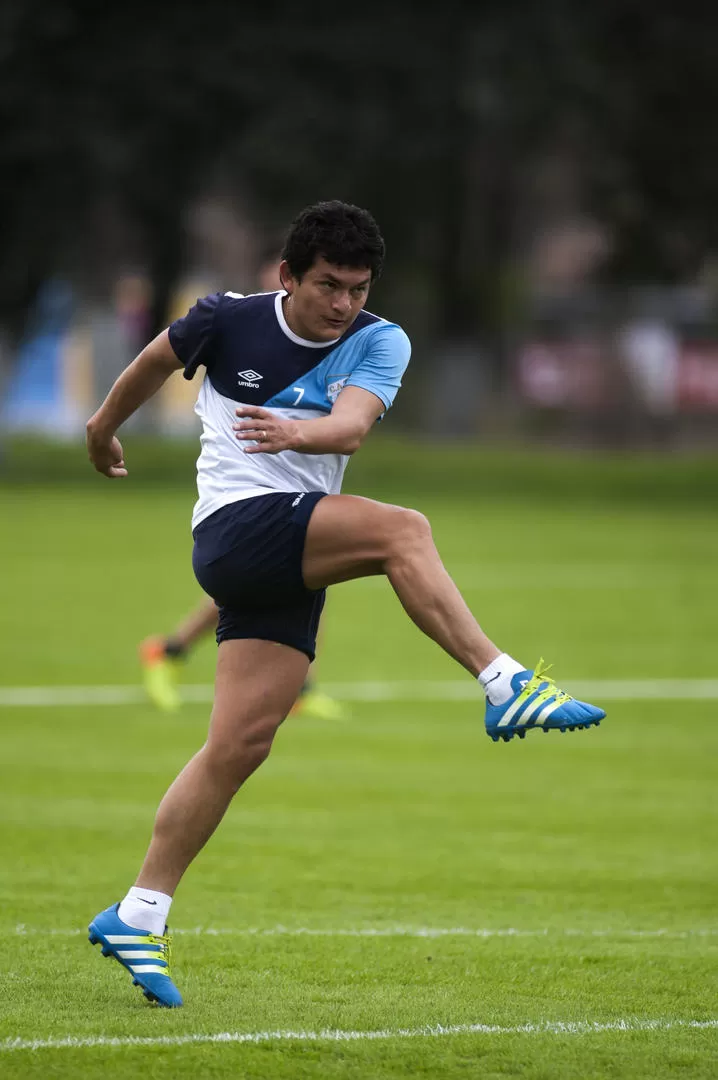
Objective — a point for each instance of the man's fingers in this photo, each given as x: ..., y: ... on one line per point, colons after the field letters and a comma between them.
x: 112, y: 469
x: 258, y: 426
x: 252, y: 410
x: 118, y: 468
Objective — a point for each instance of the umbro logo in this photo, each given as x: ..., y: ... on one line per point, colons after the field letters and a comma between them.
x: 250, y: 378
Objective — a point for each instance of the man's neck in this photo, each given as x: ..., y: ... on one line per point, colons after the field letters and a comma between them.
x: 289, y: 318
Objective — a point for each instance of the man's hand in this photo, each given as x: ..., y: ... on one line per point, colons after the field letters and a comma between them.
x: 137, y: 383
x: 341, y: 432
x: 270, y: 433
x: 106, y: 456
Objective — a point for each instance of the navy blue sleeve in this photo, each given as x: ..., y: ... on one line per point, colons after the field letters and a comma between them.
x: 192, y: 336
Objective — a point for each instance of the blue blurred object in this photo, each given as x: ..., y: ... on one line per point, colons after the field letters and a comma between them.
x: 35, y: 397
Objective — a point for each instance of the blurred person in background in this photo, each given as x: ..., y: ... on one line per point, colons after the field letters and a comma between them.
x: 308, y: 372
x: 650, y: 349
x: 161, y: 654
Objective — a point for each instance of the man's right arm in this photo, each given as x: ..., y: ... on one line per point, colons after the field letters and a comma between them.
x: 137, y: 383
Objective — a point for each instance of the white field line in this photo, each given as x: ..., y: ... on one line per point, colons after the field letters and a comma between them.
x: 371, y: 691
x: 22, y: 930
x: 579, y: 1027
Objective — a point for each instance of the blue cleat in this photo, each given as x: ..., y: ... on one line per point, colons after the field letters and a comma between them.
x: 146, y: 956
x: 538, y: 703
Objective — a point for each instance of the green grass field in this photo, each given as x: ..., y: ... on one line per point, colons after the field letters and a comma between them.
x: 393, y: 895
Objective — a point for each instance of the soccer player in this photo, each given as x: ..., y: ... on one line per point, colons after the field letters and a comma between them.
x: 295, y: 382
x: 160, y: 654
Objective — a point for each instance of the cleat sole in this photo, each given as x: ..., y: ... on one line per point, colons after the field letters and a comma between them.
x: 507, y: 736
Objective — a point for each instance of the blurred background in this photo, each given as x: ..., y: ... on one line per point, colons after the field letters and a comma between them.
x: 545, y: 177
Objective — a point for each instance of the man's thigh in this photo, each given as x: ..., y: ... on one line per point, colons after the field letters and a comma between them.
x: 349, y: 537
x: 256, y: 685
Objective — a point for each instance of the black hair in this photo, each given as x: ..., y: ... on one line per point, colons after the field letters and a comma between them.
x: 343, y: 234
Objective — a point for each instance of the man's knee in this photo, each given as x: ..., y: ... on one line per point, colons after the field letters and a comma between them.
x: 409, y: 529
x: 238, y: 757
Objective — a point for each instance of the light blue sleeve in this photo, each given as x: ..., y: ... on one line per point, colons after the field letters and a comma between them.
x: 385, y: 357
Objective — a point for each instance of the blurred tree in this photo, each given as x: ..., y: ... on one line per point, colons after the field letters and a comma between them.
x: 661, y: 95
x: 112, y: 120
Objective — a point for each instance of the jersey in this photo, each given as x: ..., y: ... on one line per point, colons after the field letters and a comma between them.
x: 252, y: 357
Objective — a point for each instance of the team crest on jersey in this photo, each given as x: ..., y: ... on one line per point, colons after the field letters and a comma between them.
x: 335, y: 384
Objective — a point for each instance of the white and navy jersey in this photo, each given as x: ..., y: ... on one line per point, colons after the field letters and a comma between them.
x: 253, y: 358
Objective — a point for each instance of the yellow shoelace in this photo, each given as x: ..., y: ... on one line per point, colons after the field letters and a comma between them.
x: 163, y: 942
x: 540, y: 676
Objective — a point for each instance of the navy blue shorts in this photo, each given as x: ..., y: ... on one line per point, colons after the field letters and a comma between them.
x: 248, y: 557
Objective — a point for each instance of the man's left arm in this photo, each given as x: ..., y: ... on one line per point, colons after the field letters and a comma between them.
x: 341, y: 432
x: 369, y: 391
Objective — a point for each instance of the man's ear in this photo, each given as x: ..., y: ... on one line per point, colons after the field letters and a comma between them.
x: 285, y: 277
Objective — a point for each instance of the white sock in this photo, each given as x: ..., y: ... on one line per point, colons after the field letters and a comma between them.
x: 496, y: 678
x: 144, y: 909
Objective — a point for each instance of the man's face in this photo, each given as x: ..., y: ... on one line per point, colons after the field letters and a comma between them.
x: 324, y: 304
